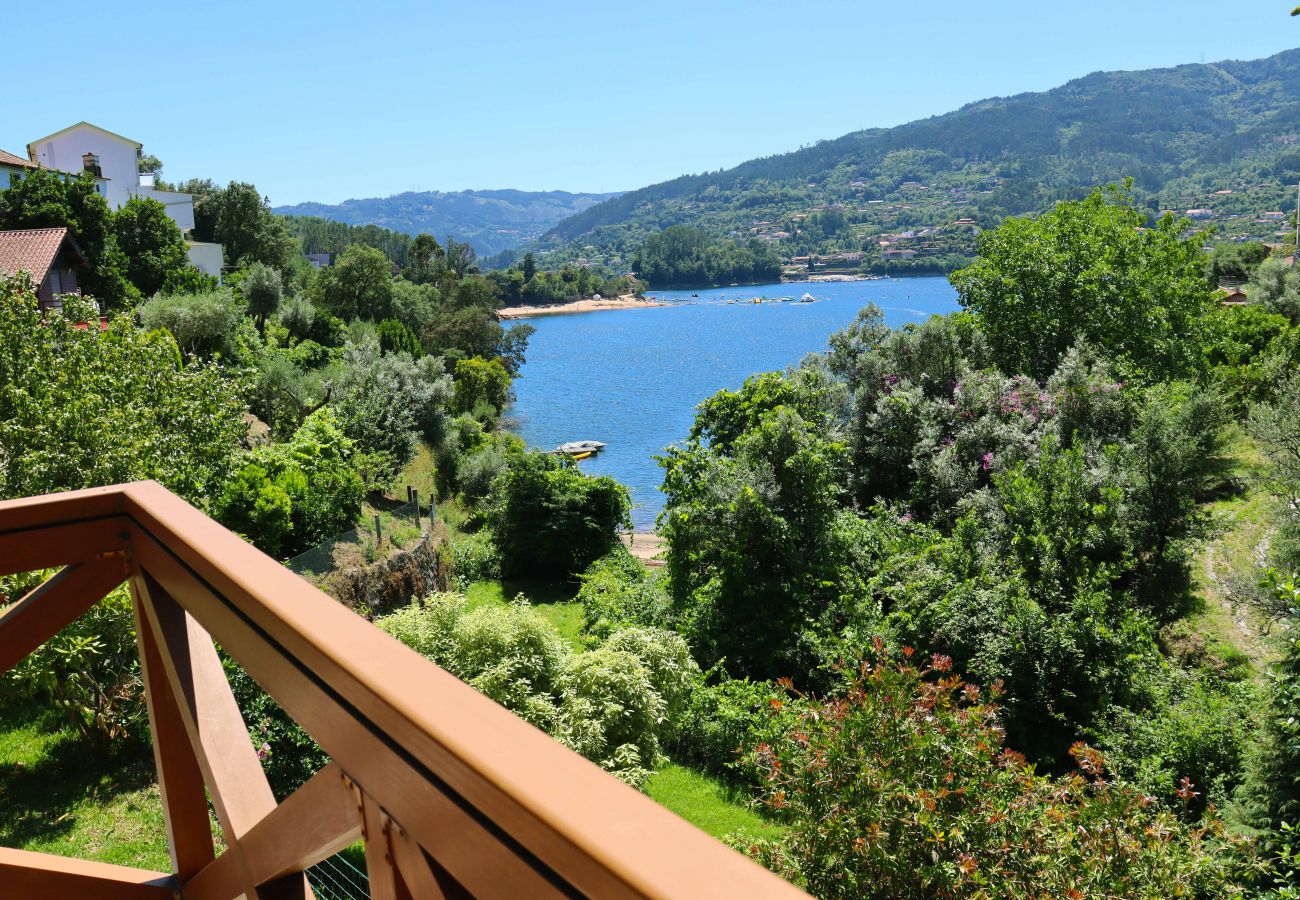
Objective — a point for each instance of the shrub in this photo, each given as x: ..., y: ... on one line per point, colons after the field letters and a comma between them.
x: 253, y: 505
x: 480, y: 469
x: 291, y: 496
x: 724, y: 719
x: 899, y: 786
x: 514, y: 656
x: 90, y: 671
x: 397, y: 337
x: 202, y: 324
x: 614, y: 714
x: 475, y: 558
x: 288, y: 754
x: 618, y: 591
x: 605, y: 703
x: 549, y: 518
x: 667, y: 661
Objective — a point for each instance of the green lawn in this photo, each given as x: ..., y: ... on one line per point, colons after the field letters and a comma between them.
x: 708, y: 804
x: 58, y: 796
x: 554, y: 602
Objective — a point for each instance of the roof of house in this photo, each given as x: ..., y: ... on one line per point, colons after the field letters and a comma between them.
x: 62, y: 131
x: 33, y: 250
x: 13, y: 159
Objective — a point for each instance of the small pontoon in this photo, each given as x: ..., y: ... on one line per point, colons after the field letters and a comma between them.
x: 580, y: 449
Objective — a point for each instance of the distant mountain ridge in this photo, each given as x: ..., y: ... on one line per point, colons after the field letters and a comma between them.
x: 1218, y: 136
x: 491, y: 221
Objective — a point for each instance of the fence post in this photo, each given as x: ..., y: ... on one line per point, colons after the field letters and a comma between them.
x: 415, y: 496
x: 409, y: 491
x: 379, y: 533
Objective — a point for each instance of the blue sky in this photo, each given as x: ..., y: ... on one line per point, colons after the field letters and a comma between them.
x: 329, y: 100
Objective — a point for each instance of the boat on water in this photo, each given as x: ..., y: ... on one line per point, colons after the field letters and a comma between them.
x: 580, y: 449
x: 579, y: 457
x: 807, y: 298
x: 785, y: 299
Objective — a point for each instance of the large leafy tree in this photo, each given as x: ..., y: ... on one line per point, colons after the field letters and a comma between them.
x: 46, y: 199
x: 358, y: 286
x: 1089, y: 271
x: 240, y: 219
x: 81, y: 408
x: 151, y: 244
x: 760, y: 549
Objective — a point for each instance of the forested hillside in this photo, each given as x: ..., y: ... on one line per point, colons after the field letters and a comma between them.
x: 1217, y: 137
x: 491, y: 221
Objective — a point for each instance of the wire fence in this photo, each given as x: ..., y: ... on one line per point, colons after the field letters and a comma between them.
x: 366, y: 543
x: 337, y: 879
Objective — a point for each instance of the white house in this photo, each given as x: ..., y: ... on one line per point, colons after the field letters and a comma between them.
x: 14, y: 167
x: 116, y: 159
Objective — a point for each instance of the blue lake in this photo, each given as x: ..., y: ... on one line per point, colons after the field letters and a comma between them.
x: 632, y: 377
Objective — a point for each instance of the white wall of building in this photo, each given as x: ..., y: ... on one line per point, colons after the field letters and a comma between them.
x: 206, y: 258
x: 118, y: 162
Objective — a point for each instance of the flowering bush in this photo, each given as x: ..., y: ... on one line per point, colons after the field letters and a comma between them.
x: 899, y: 786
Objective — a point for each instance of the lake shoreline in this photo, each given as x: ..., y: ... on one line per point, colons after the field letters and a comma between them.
x: 626, y: 301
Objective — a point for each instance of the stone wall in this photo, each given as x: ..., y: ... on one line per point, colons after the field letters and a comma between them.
x: 391, y: 583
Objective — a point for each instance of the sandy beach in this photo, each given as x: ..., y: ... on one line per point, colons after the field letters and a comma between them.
x: 626, y: 301
x: 646, y: 546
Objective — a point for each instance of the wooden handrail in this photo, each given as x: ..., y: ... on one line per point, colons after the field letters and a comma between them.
x: 453, y: 794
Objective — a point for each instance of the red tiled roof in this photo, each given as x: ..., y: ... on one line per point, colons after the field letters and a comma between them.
x: 12, y: 159
x: 31, y: 251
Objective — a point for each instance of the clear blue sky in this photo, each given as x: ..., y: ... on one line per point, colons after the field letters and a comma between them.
x: 328, y: 100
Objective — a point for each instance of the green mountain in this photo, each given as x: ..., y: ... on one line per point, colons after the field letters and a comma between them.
x: 1221, y: 137
x: 491, y: 221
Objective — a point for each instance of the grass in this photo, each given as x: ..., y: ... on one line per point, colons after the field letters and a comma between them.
x: 59, y: 797
x: 1244, y: 523
x: 553, y: 602
x: 709, y: 804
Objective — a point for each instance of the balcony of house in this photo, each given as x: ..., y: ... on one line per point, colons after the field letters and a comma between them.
x: 451, y: 794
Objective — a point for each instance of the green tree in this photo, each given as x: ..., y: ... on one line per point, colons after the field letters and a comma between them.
x: 80, y: 408
x: 263, y: 289
x: 201, y: 324
x: 240, y: 219
x: 1276, y: 286
x: 426, y: 259
x: 1089, y: 271
x: 760, y: 550
x: 548, y: 518
x: 482, y: 387
x: 529, y: 266
x: 359, y: 285
x: 151, y: 244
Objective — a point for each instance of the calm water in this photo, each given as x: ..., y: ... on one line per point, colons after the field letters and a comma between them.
x: 632, y: 378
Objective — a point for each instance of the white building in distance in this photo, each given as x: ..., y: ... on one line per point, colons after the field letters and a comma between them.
x: 115, y: 159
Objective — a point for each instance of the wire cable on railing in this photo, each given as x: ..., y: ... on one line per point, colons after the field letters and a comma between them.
x: 337, y: 879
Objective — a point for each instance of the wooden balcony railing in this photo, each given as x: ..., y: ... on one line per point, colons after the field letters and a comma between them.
x: 452, y: 794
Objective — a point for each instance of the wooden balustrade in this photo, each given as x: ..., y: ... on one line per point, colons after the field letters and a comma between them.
x: 452, y: 794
